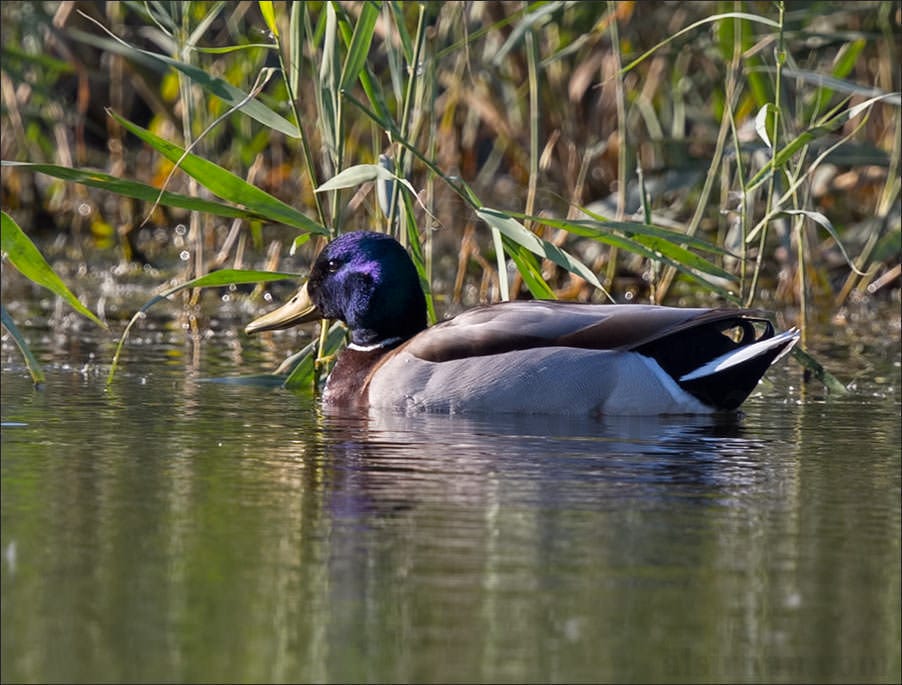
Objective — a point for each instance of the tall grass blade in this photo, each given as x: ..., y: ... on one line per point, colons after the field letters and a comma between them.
x: 224, y: 183
x: 364, y: 173
x: 528, y: 268
x: 647, y: 240
x: 822, y: 220
x: 825, y: 127
x: 34, y: 367
x: 656, y: 249
x: 215, y: 86
x: 329, y: 74
x: 818, y: 371
x: 296, y: 52
x: 503, y: 281
x: 707, y: 20
x: 27, y: 258
x: 217, y: 279
x: 530, y: 21
x: 302, y: 371
x: 360, y: 44
x: 397, y: 12
x: 600, y: 223
x: 137, y: 190
x: 269, y: 16
x: 518, y: 233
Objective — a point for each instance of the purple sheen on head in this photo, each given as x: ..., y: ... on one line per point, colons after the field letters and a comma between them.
x: 368, y: 281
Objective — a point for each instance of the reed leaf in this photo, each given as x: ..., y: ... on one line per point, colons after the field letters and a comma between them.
x: 27, y: 258
x: 137, y: 190
x: 213, y: 85
x: 518, y: 233
x: 707, y: 20
x: 529, y: 270
x: 269, y: 16
x: 224, y: 183
x: 216, y: 279
x: 303, y: 372
x: 360, y: 44
x: 649, y: 241
x: 826, y: 126
x: 819, y: 218
x: 34, y: 367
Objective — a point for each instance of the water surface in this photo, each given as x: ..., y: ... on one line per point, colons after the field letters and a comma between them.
x: 172, y: 529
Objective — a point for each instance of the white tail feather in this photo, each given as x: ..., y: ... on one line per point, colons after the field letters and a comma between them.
x: 744, y: 354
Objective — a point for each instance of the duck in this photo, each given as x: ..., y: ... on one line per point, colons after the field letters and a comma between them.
x: 521, y: 356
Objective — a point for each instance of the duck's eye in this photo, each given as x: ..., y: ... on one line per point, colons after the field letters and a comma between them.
x: 332, y: 266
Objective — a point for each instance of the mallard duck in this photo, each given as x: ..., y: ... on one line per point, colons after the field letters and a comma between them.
x: 521, y: 356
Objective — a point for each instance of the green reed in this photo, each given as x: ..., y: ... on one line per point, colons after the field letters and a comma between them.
x: 529, y: 134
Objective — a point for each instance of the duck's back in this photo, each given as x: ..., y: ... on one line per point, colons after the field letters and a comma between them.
x: 518, y: 325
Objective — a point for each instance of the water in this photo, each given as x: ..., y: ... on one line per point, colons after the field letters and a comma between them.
x: 178, y: 530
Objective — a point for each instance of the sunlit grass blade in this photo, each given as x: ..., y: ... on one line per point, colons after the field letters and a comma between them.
x: 235, y: 97
x: 355, y: 176
x: 224, y: 183
x: 651, y: 246
x: 234, y: 48
x: 302, y: 373
x: 222, y: 278
x: 360, y: 44
x: 27, y: 258
x: 269, y: 16
x: 818, y: 371
x: 823, y: 221
x: 823, y: 128
x: 761, y: 122
x: 34, y: 368
x: 529, y: 270
x: 707, y: 20
x: 364, y: 173
x: 500, y: 250
x: 518, y: 233
x: 137, y: 190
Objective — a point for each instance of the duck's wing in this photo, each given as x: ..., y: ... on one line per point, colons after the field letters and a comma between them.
x: 716, y: 355
x: 519, y: 325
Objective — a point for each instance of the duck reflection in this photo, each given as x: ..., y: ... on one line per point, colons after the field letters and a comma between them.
x: 442, y: 528
x: 390, y: 462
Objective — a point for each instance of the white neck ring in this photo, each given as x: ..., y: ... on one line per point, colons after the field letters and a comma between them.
x: 375, y: 346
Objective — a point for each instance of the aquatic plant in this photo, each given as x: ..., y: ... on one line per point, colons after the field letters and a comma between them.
x: 611, y: 150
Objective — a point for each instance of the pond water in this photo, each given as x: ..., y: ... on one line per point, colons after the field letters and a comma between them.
x: 173, y: 529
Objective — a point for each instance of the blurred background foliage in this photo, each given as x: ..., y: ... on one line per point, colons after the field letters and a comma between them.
x: 566, y: 111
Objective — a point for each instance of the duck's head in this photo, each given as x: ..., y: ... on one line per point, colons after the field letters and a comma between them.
x: 368, y: 281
